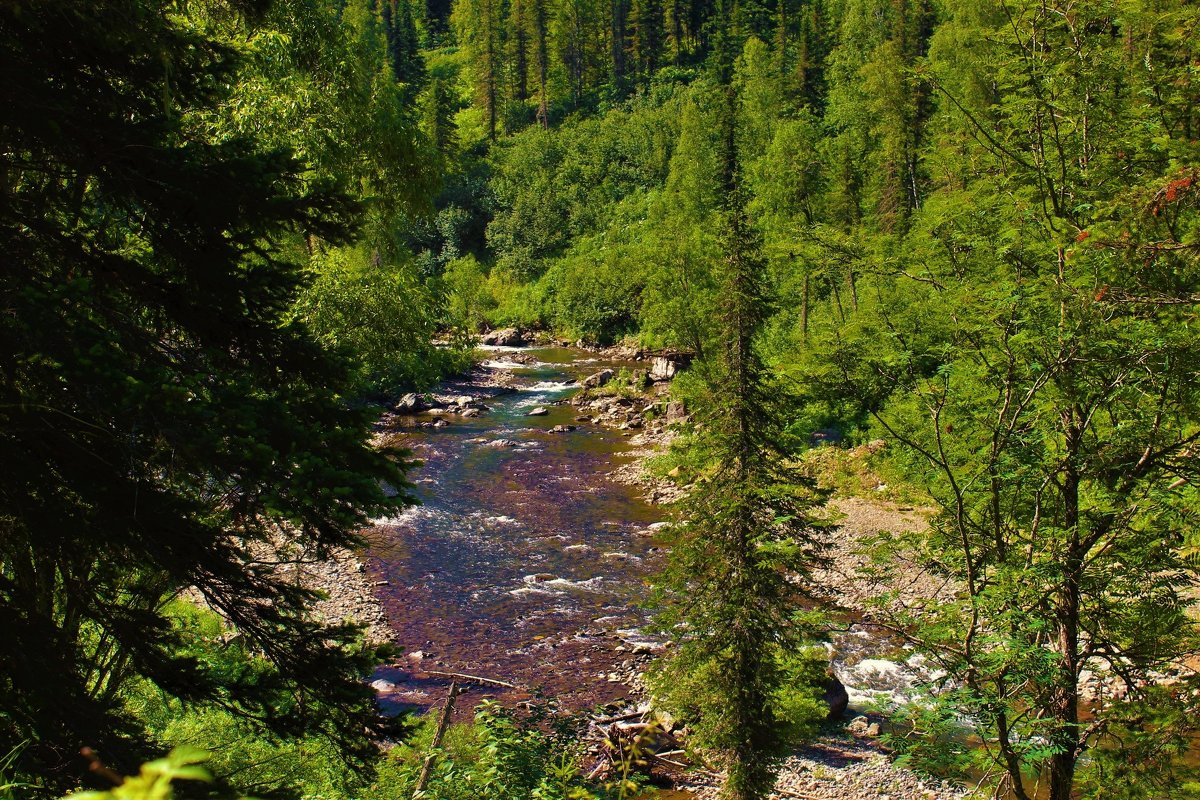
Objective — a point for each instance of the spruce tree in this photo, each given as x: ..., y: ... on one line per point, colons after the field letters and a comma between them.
x: 740, y: 567
x: 163, y: 423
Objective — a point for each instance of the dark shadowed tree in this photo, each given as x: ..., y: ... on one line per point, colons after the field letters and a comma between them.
x: 163, y: 427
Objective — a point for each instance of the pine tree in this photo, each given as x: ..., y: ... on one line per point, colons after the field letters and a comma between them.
x: 539, y: 24
x: 479, y: 25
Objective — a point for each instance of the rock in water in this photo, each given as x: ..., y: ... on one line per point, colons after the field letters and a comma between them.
x: 505, y: 337
x: 599, y: 379
x: 562, y: 429
x: 410, y: 403
x: 537, y: 412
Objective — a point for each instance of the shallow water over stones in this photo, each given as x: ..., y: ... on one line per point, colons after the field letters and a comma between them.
x: 525, y: 562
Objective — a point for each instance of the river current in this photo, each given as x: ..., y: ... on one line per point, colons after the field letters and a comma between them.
x: 525, y: 563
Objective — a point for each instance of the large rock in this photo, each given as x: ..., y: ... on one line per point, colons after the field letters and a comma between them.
x: 505, y: 337
x: 599, y: 379
x: 662, y: 368
x: 410, y: 404
x: 676, y: 411
x: 836, y: 697
x: 537, y: 412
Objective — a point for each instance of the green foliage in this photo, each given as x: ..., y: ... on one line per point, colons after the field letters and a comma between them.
x: 382, y: 316
x: 155, y: 780
x: 242, y: 758
x: 933, y: 740
x: 166, y: 424
x: 1144, y: 751
x: 504, y: 755
x: 466, y: 289
x: 11, y: 789
x: 746, y: 544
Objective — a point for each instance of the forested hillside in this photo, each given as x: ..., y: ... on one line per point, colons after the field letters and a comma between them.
x: 967, y: 228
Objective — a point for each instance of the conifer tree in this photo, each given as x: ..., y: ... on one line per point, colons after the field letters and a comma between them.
x: 743, y: 558
x: 403, y: 45
x: 164, y: 424
x: 539, y: 24
x: 479, y: 25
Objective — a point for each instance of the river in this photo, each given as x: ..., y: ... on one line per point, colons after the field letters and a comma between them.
x: 525, y: 562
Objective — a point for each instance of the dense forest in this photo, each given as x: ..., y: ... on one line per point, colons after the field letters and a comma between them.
x: 232, y: 229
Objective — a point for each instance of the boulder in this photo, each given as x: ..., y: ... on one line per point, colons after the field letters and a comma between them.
x: 537, y: 412
x: 662, y: 368
x: 471, y: 412
x: 599, y: 379
x: 562, y: 429
x: 824, y: 436
x: 676, y: 411
x: 410, y: 404
x: 862, y: 727
x: 505, y: 337
x: 835, y: 696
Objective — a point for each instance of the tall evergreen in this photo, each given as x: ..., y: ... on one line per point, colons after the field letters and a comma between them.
x: 164, y: 425
x: 747, y: 545
x: 403, y: 45
x: 479, y: 25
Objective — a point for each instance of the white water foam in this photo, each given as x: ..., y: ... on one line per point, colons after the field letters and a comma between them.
x: 494, y: 519
x: 539, y: 584
x: 408, y: 515
x: 501, y: 348
x: 549, y: 386
x: 505, y: 364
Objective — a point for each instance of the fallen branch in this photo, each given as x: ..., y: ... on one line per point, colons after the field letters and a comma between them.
x: 799, y: 795
x: 443, y: 723
x: 671, y: 753
x: 619, y: 718
x: 474, y: 678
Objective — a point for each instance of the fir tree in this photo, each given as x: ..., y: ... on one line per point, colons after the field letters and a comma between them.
x: 743, y: 558
x: 163, y: 425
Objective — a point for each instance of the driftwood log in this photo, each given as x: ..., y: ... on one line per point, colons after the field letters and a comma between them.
x: 443, y: 724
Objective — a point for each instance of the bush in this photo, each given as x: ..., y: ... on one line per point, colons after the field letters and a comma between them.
x: 504, y: 755
x: 382, y: 316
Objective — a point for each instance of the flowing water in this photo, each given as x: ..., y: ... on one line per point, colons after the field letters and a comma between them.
x: 524, y: 563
